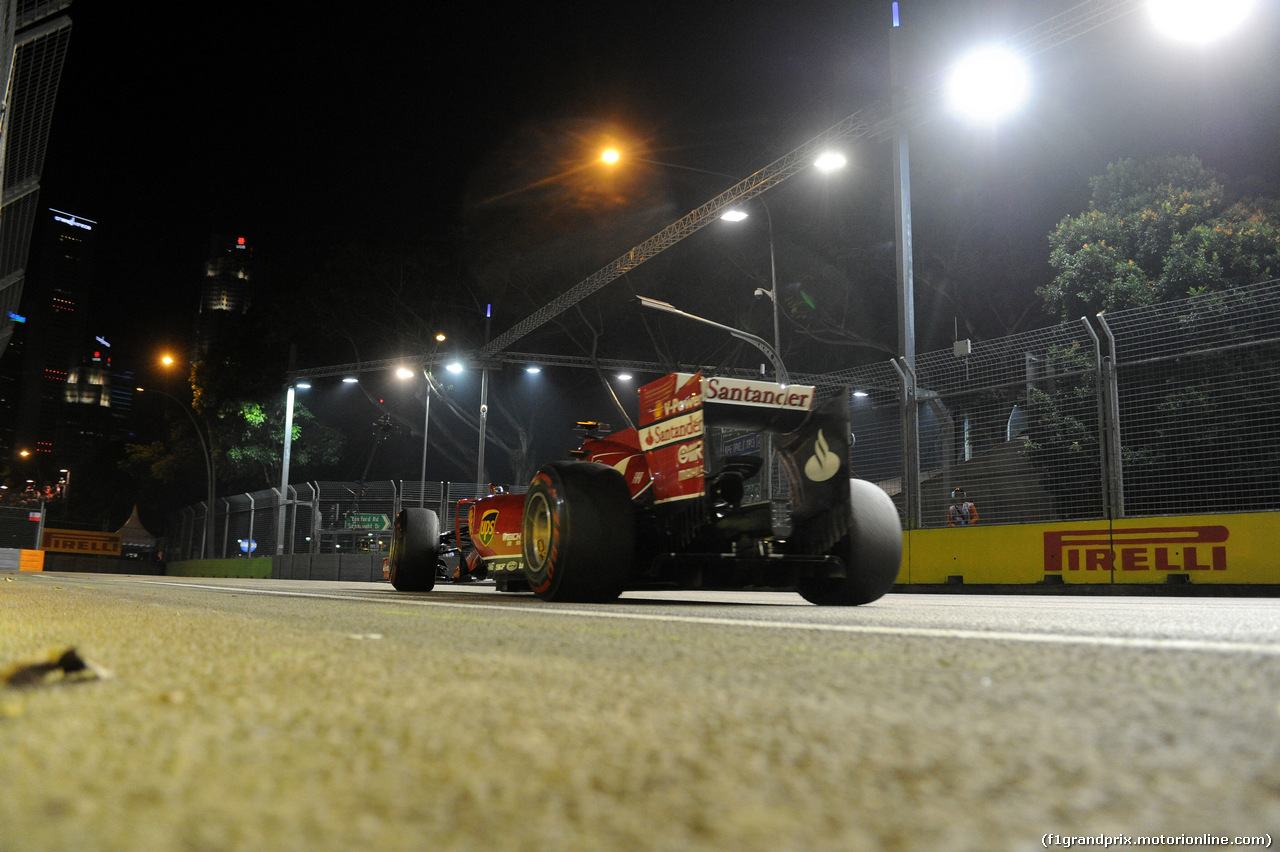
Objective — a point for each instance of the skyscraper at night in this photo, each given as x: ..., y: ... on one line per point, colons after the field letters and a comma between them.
x: 58, y: 343
x: 226, y: 291
x: 34, y: 36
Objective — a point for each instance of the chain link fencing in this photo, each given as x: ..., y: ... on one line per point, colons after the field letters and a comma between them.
x: 1169, y: 409
x: 315, y: 517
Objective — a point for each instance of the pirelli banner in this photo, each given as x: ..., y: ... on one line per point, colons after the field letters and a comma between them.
x: 81, y: 542
x: 1223, y: 549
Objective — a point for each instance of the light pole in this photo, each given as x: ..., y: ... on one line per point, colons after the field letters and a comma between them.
x: 405, y: 373
x: 987, y: 84
x: 772, y: 292
x: 284, y: 465
x: 484, y: 402
x: 906, y: 283
x: 207, y: 544
x: 426, y: 425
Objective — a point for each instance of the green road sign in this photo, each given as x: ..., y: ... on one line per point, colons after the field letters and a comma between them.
x: 367, y: 521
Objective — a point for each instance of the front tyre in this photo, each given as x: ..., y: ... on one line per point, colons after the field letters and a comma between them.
x: 415, y: 550
x: 871, y: 552
x: 578, y: 532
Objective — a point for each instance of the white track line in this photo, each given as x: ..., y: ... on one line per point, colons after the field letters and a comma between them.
x: 1129, y: 643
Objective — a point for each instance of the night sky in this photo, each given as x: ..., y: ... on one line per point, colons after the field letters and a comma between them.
x: 299, y: 129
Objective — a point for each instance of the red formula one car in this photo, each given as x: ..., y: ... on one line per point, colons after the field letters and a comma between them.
x: 662, y: 506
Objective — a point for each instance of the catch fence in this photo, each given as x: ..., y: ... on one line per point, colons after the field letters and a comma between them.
x: 1169, y: 409
x: 317, y: 517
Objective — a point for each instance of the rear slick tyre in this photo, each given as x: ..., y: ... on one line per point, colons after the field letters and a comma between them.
x: 871, y: 552
x: 415, y: 550
x: 578, y: 532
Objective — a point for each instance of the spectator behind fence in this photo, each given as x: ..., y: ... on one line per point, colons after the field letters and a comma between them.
x: 961, y: 512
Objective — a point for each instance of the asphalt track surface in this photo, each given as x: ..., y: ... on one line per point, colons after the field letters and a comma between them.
x: 257, y: 714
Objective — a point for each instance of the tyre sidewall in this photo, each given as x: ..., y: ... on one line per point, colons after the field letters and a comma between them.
x: 871, y: 552
x: 542, y: 558
x: 589, y: 545
x: 415, y: 550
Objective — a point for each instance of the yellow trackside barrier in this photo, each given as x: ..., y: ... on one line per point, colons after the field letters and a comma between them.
x: 1200, y: 549
x: 31, y: 560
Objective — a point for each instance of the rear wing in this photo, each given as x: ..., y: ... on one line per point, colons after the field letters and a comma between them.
x: 676, y: 410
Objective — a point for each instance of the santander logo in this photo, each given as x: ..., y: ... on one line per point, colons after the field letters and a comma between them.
x: 766, y: 394
x: 823, y: 464
x: 670, y: 431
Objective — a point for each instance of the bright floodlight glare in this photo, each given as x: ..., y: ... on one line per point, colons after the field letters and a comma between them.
x: 829, y: 161
x: 404, y: 373
x: 349, y: 380
x: 734, y: 216
x: 533, y: 368
x: 303, y: 384
x: 455, y: 367
x: 1198, y: 21
x: 988, y: 83
x: 624, y: 377
x: 611, y: 155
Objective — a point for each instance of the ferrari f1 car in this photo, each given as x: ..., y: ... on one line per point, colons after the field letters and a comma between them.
x: 663, y: 506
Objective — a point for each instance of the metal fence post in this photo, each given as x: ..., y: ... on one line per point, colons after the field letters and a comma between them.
x: 251, y: 539
x: 1111, y: 425
x: 226, y: 529
x: 910, y: 445
x: 292, y: 528
x: 1104, y: 442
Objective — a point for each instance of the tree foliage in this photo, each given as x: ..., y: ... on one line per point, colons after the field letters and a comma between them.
x: 256, y: 429
x: 1158, y: 230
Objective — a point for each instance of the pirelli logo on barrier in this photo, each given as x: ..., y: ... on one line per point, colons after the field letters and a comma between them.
x: 77, y: 541
x: 1192, y: 548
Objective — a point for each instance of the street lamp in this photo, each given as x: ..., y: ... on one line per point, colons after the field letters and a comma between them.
x: 406, y: 373
x: 738, y: 215
x: 1198, y: 21
x: 826, y: 161
x: 986, y: 84
x: 757, y: 342
x: 207, y: 545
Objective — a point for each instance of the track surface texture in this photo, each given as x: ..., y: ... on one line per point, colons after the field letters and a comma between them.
x: 258, y: 714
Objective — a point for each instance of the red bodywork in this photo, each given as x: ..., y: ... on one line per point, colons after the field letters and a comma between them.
x: 495, y: 520
x: 663, y: 462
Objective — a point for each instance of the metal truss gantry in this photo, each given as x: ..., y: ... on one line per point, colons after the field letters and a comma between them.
x: 875, y: 122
